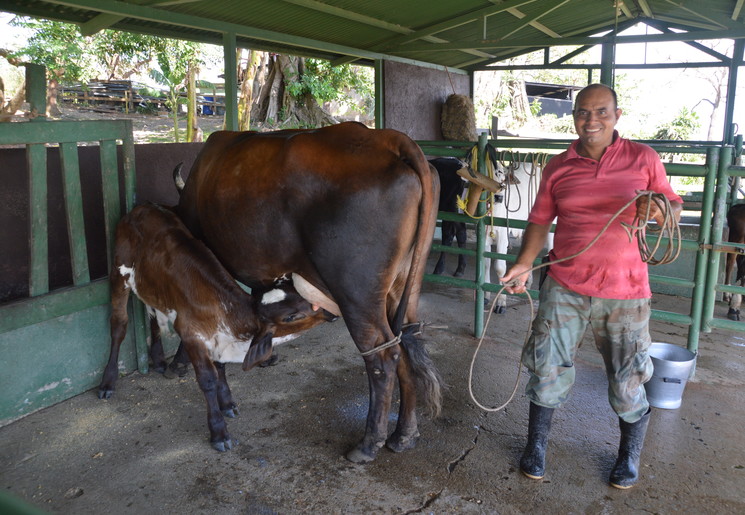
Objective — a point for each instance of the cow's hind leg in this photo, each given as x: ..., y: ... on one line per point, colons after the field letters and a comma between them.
x: 416, y: 372
x: 118, y: 322
x: 224, y: 397
x: 381, y: 375
x: 208, y: 379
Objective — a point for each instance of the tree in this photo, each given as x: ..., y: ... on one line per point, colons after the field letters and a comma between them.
x: 288, y: 90
x: 179, y: 66
x: 70, y: 57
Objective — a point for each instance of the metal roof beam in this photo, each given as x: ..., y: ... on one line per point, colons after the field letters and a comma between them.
x: 452, y: 23
x: 366, y: 20
x: 644, y: 6
x: 710, y: 16
x: 547, y: 7
x: 698, y: 46
x: 126, y: 10
x: 99, y: 23
x: 737, y: 9
x: 578, y: 40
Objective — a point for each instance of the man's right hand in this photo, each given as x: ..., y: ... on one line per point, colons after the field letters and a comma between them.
x: 515, y: 278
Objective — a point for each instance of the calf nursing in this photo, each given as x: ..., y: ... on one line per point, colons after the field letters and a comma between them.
x: 183, y: 283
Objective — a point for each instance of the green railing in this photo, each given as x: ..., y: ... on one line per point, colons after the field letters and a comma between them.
x: 66, y: 321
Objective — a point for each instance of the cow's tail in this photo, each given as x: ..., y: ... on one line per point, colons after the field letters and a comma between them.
x: 428, y: 379
x: 177, y: 179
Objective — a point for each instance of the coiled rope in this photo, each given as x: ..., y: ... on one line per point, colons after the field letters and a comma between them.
x: 638, y: 229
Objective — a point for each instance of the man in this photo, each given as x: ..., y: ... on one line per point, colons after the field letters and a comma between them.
x: 606, y: 287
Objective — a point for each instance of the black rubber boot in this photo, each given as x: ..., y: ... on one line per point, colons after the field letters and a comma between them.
x: 533, y: 461
x: 626, y: 471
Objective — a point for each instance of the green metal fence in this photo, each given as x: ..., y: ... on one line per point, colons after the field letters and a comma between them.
x: 54, y: 343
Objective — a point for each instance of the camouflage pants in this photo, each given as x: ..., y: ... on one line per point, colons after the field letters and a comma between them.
x: 621, y: 331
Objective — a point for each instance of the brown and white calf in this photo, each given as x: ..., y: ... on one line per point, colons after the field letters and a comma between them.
x: 184, y: 284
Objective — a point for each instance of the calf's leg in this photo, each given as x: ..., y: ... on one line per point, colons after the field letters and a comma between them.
x: 118, y: 322
x: 224, y: 397
x: 208, y: 380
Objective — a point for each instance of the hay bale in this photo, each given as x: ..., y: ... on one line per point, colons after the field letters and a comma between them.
x: 458, y: 119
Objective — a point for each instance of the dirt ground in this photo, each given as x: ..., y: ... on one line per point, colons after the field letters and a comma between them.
x: 147, y: 128
x: 146, y: 450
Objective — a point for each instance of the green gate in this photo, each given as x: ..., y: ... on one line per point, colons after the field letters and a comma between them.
x: 55, y: 342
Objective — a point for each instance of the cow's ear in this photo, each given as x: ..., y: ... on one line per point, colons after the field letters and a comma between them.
x: 259, y: 351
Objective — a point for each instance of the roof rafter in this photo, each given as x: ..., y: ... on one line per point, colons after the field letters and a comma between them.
x: 525, y: 20
x: 580, y: 40
x: 367, y: 20
x: 711, y: 17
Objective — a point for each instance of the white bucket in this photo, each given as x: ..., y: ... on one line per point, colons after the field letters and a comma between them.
x: 672, y: 369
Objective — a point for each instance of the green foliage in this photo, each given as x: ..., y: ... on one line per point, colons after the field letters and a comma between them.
x: 73, y: 58
x: 331, y: 83
x: 535, y: 107
x: 58, y: 46
x: 680, y: 128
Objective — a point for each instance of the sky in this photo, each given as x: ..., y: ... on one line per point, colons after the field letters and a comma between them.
x: 661, y: 93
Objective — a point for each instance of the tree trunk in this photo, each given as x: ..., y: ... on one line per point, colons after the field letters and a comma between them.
x: 274, y: 107
x: 193, y: 133
x: 247, y: 75
x: 52, y: 91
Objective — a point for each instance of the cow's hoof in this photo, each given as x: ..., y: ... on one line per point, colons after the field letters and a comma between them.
x: 459, y: 273
x: 230, y: 412
x: 357, y: 455
x: 500, y: 310
x: 732, y: 314
x: 225, y: 445
x: 398, y: 443
x: 105, y: 393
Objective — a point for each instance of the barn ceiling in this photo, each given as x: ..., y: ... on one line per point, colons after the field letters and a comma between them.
x: 460, y: 34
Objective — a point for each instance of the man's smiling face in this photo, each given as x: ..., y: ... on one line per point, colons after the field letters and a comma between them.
x: 595, y: 118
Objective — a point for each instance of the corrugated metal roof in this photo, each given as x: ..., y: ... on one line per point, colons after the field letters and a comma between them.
x: 464, y: 34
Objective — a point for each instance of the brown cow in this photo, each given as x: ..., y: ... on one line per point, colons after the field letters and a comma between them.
x: 182, y: 282
x: 349, y: 213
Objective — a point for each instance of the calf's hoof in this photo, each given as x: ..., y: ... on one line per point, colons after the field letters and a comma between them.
x: 270, y: 362
x: 500, y: 310
x: 459, y: 273
x: 230, y: 412
x: 224, y: 445
x: 734, y: 314
x: 176, y: 370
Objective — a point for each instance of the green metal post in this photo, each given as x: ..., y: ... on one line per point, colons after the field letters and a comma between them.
x: 379, y: 94
x: 607, y: 61
x: 231, y: 81
x: 717, y: 226
x: 735, y: 63
x: 478, y: 325
x: 700, y: 296
x: 36, y: 91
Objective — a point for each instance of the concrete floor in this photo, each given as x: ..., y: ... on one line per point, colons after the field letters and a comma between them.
x: 146, y: 450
